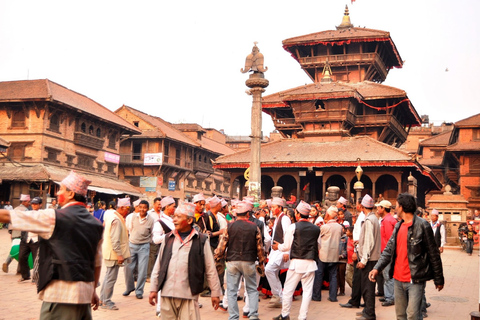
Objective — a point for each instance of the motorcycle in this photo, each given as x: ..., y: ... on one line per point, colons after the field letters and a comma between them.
x: 462, y: 236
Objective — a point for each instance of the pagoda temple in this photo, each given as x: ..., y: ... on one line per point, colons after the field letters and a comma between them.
x: 343, y: 119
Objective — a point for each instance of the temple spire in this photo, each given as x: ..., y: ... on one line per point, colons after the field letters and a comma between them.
x: 345, y: 21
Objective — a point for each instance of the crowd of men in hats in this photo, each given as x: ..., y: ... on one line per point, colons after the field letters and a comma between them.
x: 209, y: 247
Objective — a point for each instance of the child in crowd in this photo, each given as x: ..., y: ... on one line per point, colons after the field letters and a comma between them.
x: 470, y: 233
x: 350, y: 250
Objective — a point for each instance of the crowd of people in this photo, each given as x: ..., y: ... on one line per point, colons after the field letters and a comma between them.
x: 209, y: 247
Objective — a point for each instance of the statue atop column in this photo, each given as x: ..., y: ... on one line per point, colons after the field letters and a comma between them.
x: 254, y: 61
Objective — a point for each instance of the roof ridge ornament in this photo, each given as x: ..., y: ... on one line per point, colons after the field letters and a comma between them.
x: 345, y: 21
x: 254, y: 61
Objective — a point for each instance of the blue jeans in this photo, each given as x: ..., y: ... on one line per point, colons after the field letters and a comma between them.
x: 332, y: 272
x: 139, y: 254
x: 235, y: 270
x: 469, y: 248
x: 408, y: 300
x: 388, y: 284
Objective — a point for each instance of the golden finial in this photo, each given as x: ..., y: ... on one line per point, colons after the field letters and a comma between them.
x: 346, y: 20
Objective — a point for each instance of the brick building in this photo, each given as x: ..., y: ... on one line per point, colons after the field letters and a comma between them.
x: 182, y: 157
x: 52, y: 130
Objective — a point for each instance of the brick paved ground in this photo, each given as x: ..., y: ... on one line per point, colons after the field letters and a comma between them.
x: 460, y: 296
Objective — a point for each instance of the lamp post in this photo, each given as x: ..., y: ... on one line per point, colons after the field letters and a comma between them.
x: 256, y: 82
x: 358, y: 186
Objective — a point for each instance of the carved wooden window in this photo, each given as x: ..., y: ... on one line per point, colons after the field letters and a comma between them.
x: 177, y: 156
x: 85, y: 162
x: 208, y: 185
x: 218, y: 184
x: 111, y: 168
x: 476, y: 134
x: 54, y: 123
x: 167, y: 151
x: 99, y: 132
x: 18, y: 119
x: 83, y: 127
x: 475, y: 165
x: 137, y: 151
x: 112, y: 141
x: 16, y: 151
x: 190, y: 183
x: 90, y: 130
x: 52, y: 155
x: 70, y: 159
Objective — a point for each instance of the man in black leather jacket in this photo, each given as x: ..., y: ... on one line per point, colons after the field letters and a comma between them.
x: 415, y: 259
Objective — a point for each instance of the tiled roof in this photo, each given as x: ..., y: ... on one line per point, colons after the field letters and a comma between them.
x: 337, y: 35
x: 344, y: 35
x: 188, y: 127
x: 465, y: 146
x: 163, y: 128
x: 298, y: 151
x: 441, y: 139
x: 432, y: 162
x: 46, y: 90
x: 43, y: 172
x: 216, y: 147
x: 473, y: 121
x: 365, y: 91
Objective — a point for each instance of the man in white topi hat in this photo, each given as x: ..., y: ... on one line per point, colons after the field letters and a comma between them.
x: 67, y: 236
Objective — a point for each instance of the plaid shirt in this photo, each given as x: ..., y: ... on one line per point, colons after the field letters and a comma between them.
x: 42, y: 222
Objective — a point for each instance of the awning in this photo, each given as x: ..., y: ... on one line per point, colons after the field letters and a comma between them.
x: 100, y: 183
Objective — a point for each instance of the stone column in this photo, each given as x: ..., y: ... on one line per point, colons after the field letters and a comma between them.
x: 256, y: 82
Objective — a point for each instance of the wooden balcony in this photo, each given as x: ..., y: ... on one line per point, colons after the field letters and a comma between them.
x: 341, y: 60
x: 382, y: 120
x: 88, y: 141
x: 202, y: 166
x: 287, y: 124
x: 326, y: 115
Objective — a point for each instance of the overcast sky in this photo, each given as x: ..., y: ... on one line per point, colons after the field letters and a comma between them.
x: 181, y: 60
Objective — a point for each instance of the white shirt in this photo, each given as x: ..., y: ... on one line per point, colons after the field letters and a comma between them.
x: 158, y: 234
x: 442, y: 232
x: 299, y: 265
x: 358, y: 226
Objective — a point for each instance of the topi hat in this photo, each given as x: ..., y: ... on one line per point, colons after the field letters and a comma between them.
x: 76, y: 183
x: 214, y: 201
x: 343, y: 201
x: 136, y: 203
x: 304, y: 208
x: 244, y: 206
x: 434, y: 212
x: 198, y: 197
x: 278, y: 201
x: 166, y: 201
x: 123, y: 202
x: 224, y: 203
x: 367, y: 202
x: 24, y: 197
x: 187, y: 209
